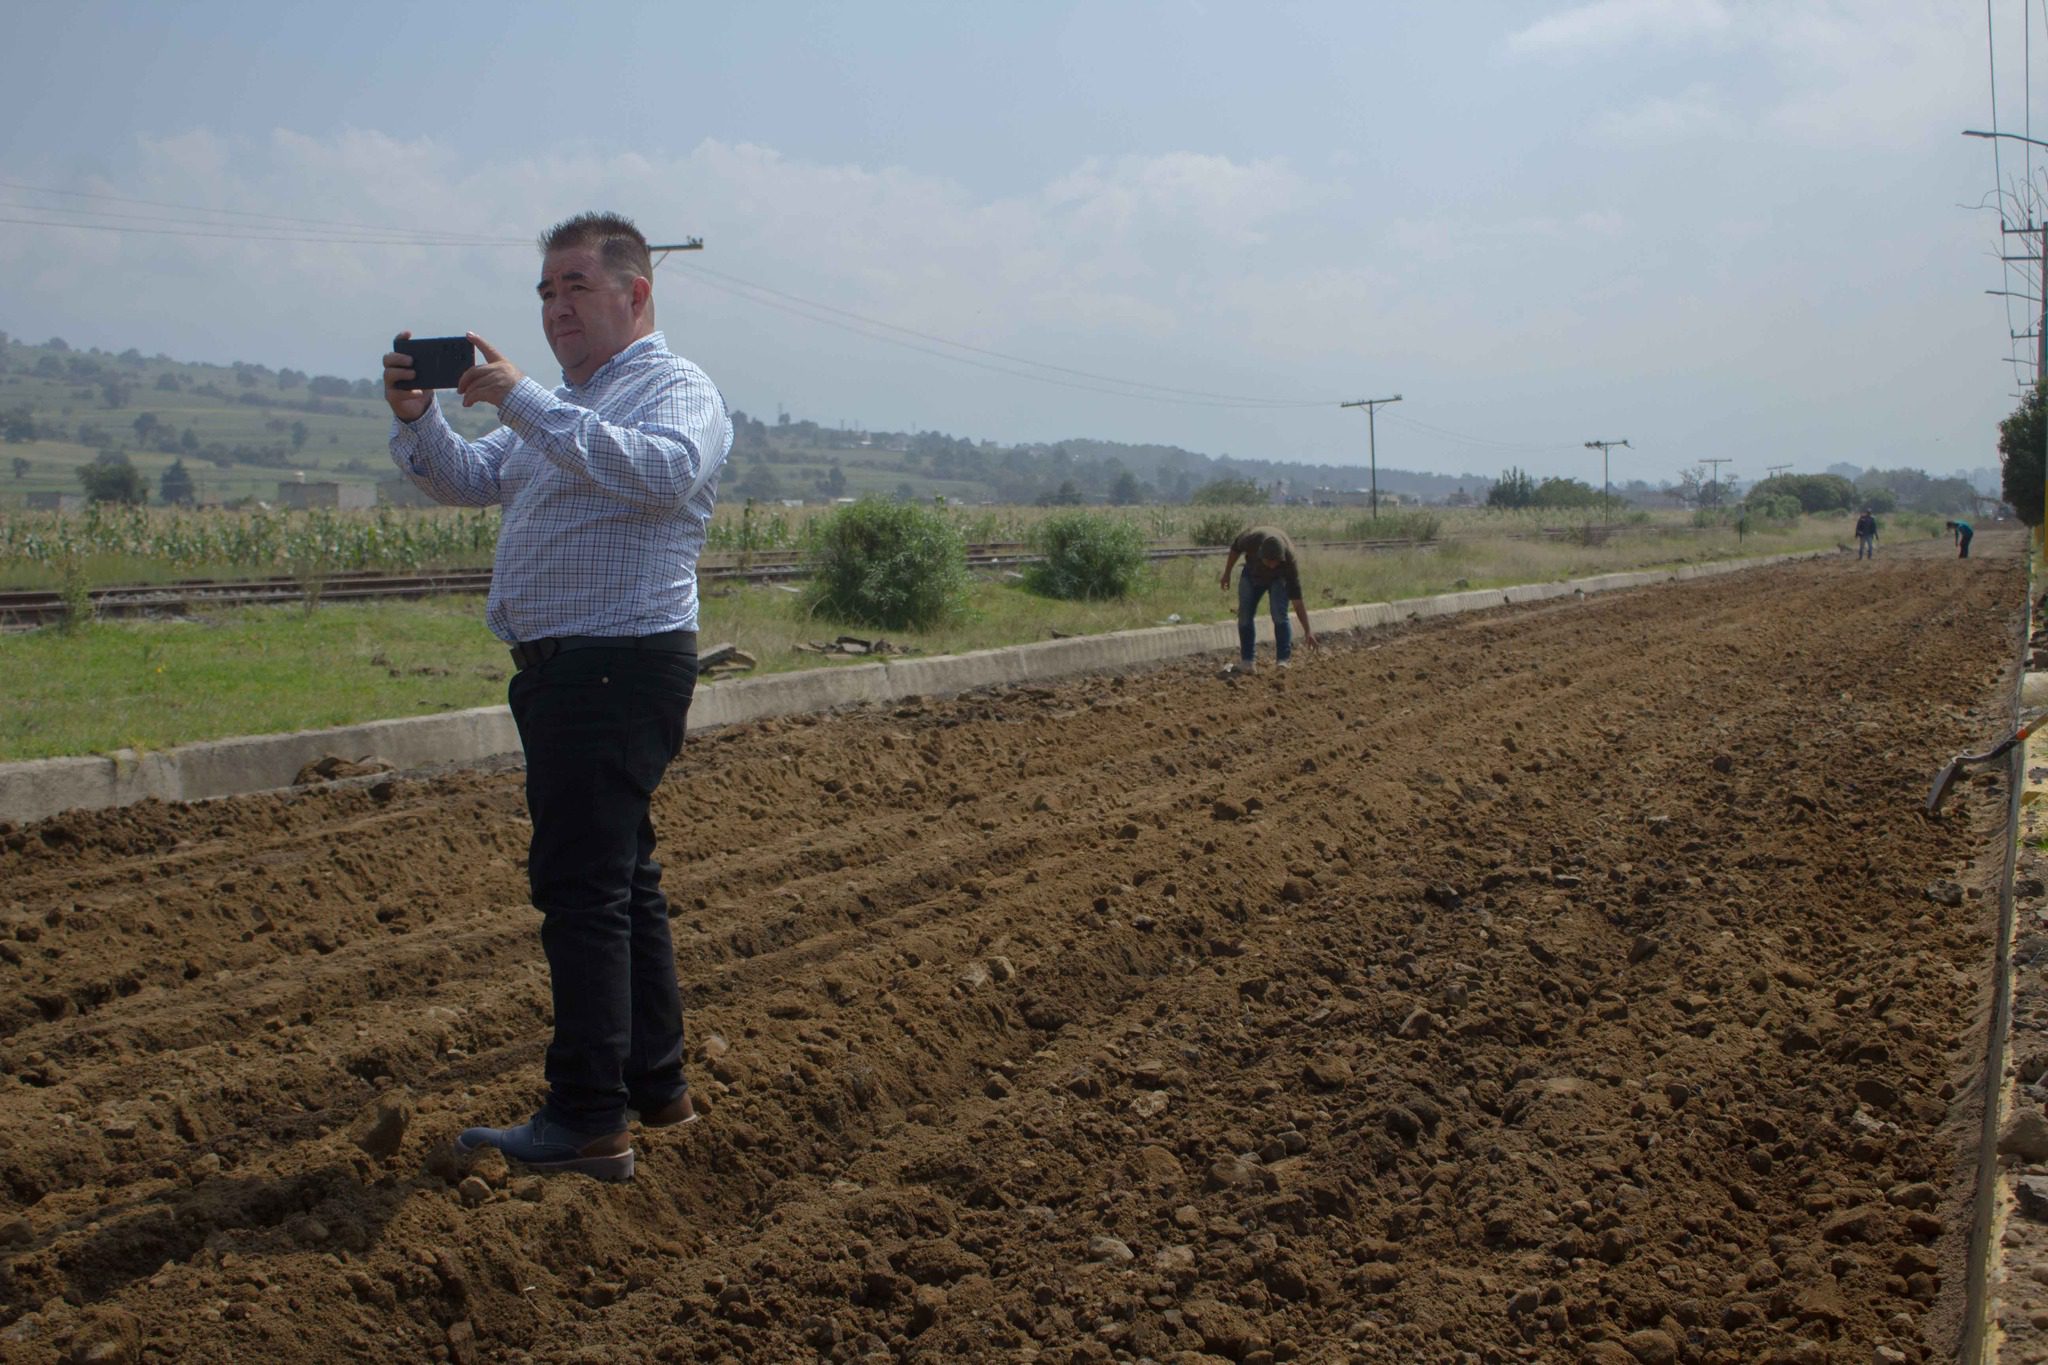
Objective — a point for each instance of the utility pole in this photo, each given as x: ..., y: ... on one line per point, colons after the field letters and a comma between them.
x: 1604, y: 447
x: 1725, y: 459
x: 1372, y: 407
x: 2040, y: 337
x: 2041, y: 331
x: 660, y: 253
x: 1772, y: 470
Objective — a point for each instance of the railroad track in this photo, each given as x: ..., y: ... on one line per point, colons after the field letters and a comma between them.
x: 23, y: 610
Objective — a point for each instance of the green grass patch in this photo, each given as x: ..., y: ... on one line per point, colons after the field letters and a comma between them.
x: 259, y: 670
x: 152, y: 685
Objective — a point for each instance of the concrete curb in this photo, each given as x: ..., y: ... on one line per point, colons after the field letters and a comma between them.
x: 232, y: 767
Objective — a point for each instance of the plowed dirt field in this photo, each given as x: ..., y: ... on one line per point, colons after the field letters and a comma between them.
x: 1573, y: 983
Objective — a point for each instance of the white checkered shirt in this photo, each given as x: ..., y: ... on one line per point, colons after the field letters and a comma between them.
x: 607, y: 488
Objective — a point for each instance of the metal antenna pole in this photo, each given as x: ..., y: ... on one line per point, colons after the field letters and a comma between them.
x: 1372, y: 407
x: 1604, y: 447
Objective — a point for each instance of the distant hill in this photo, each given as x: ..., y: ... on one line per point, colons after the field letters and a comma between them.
x: 242, y: 429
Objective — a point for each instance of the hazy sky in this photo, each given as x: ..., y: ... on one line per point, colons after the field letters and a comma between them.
x: 1713, y: 227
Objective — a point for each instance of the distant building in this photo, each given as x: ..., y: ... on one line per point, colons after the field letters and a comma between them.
x: 56, y: 502
x: 345, y: 497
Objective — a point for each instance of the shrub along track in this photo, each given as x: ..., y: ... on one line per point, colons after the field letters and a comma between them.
x: 1535, y: 986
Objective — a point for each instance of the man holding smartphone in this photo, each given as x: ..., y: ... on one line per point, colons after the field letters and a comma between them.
x: 608, y: 484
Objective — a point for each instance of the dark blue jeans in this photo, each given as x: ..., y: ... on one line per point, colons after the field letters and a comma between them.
x: 600, y: 727
x: 1248, y: 595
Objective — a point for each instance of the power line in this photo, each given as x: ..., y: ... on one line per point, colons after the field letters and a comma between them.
x: 89, y: 218
x: 248, y: 236
x: 1246, y: 400
x: 273, y: 218
x: 1528, y: 446
x: 958, y: 359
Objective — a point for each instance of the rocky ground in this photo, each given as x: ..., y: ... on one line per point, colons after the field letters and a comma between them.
x: 1571, y: 983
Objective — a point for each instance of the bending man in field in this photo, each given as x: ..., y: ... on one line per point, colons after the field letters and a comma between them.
x: 1271, y: 569
x: 607, y: 484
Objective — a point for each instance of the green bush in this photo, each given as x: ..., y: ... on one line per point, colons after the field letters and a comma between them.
x: 1216, y: 528
x: 1558, y: 492
x: 1088, y: 557
x: 1813, y: 492
x: 893, y: 564
x: 1774, y: 506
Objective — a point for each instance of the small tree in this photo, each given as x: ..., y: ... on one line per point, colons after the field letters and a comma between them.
x: 893, y: 564
x: 1126, y: 490
x: 21, y: 467
x: 1088, y: 557
x: 176, y: 488
x: 111, y: 478
x: 2021, y: 453
x: 1513, y: 489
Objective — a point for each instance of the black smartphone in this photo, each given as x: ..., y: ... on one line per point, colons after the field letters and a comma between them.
x: 437, y: 362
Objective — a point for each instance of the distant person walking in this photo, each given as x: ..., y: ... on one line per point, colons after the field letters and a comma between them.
x: 1963, y: 535
x: 1272, y: 570
x: 1866, y: 536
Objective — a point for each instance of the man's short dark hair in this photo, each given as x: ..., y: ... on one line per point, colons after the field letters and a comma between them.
x: 1271, y: 550
x: 617, y: 243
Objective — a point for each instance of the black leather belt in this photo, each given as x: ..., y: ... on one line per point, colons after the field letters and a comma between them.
x: 528, y: 653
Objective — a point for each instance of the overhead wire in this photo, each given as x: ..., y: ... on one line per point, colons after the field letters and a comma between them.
x: 245, y: 236
x: 870, y: 331
x: 702, y: 271
x: 1529, y: 446
x: 279, y: 221
x: 299, y: 229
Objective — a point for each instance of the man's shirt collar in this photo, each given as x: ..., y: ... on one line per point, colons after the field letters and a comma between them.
x: 632, y: 351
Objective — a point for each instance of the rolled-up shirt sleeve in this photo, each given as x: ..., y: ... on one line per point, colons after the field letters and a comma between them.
x: 445, y: 467
x: 656, y: 457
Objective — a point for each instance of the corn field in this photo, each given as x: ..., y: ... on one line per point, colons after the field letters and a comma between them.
x: 248, y: 542
x: 109, y: 544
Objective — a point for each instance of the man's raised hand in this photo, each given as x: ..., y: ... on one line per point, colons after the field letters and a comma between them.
x: 491, y: 382
x: 407, y: 404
